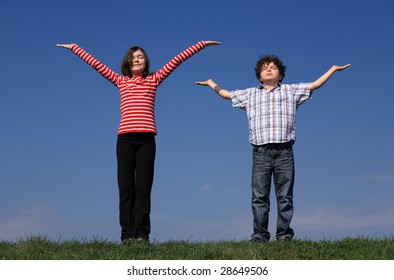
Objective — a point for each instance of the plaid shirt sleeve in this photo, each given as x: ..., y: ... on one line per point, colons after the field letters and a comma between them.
x: 302, y: 92
x: 239, y: 98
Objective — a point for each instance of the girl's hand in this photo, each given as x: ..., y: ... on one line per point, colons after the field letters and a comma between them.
x: 66, y: 46
x: 211, y: 43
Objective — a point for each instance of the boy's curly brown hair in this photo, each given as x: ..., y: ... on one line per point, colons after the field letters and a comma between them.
x: 267, y: 59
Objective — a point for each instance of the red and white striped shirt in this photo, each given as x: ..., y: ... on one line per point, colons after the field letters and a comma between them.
x: 137, y: 94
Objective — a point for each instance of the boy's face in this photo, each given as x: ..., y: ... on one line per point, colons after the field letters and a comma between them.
x: 270, y: 73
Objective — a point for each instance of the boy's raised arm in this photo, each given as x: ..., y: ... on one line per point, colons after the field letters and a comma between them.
x: 220, y: 91
x: 324, y: 78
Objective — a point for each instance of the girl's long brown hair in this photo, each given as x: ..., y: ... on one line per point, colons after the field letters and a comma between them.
x: 128, y: 62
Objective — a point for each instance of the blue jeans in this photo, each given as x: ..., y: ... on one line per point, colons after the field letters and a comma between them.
x: 277, y: 161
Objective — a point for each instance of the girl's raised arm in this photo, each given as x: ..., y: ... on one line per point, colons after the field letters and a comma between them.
x: 105, y: 71
x: 167, y: 69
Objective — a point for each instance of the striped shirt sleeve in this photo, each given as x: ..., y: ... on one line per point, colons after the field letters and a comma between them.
x: 106, y: 72
x: 167, y: 69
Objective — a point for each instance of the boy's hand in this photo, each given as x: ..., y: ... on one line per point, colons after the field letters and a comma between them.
x: 205, y: 83
x: 340, y: 68
x: 220, y: 91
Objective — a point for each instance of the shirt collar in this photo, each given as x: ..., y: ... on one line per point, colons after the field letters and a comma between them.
x: 261, y: 86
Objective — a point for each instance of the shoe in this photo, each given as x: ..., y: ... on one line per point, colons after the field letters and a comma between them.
x: 127, y: 241
x: 142, y: 240
x: 135, y: 240
x: 285, y: 238
x: 257, y: 239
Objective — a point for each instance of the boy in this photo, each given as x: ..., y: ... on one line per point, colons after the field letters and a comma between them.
x: 271, y: 110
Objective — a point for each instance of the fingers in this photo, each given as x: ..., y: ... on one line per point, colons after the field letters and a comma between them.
x: 344, y: 66
x: 202, y: 83
x: 211, y: 43
x: 340, y: 68
x: 66, y: 46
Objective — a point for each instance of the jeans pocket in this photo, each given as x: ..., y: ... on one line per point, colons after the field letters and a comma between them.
x: 289, y: 149
x: 257, y: 149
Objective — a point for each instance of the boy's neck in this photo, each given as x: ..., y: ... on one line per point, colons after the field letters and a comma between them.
x: 269, y: 85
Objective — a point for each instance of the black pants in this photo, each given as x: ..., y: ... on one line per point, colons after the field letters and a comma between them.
x: 136, y: 156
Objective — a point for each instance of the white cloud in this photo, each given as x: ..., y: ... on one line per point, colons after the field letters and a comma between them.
x: 200, y: 229
x: 332, y: 222
x: 27, y: 221
x: 340, y: 221
x: 40, y: 219
x: 314, y: 224
x: 377, y: 178
x: 207, y: 187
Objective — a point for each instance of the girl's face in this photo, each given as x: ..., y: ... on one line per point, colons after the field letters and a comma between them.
x: 138, y: 65
x: 270, y: 73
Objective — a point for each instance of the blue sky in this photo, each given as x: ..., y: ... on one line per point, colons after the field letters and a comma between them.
x: 59, y: 118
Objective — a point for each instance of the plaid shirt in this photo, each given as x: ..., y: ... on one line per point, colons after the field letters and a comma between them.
x: 271, y: 113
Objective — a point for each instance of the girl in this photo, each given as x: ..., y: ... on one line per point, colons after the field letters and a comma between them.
x: 136, y: 147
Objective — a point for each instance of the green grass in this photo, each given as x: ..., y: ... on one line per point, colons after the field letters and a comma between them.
x: 42, y: 248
